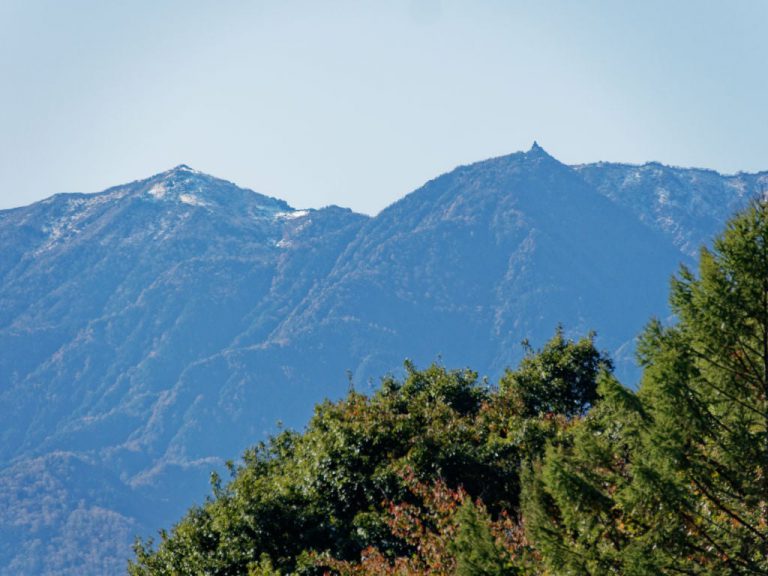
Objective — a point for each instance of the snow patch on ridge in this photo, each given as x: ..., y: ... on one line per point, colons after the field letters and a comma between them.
x: 158, y: 190
x: 192, y: 200
x: 291, y: 215
x: 77, y: 210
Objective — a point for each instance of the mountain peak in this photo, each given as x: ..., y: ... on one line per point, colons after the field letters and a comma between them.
x: 183, y: 184
x: 183, y: 168
x: 537, y: 151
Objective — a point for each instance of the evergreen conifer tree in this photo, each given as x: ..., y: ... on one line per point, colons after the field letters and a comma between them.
x: 477, y: 553
x: 675, y: 479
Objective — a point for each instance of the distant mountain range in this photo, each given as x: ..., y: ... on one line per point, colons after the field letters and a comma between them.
x: 151, y: 331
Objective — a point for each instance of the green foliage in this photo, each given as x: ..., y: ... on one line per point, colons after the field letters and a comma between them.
x: 263, y: 567
x: 424, y: 477
x: 559, y: 379
x: 327, y: 492
x: 476, y: 550
x: 674, y: 480
x: 448, y: 534
x: 578, y: 509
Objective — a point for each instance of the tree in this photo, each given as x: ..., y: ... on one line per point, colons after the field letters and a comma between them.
x: 579, y: 501
x: 446, y: 533
x: 558, y: 379
x: 323, y: 490
x: 674, y: 480
x: 477, y: 551
x: 330, y: 490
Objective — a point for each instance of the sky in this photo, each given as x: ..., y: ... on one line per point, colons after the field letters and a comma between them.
x: 357, y: 103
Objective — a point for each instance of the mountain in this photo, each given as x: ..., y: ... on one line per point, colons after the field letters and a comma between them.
x: 105, y: 300
x: 482, y: 258
x: 688, y: 205
x: 158, y: 328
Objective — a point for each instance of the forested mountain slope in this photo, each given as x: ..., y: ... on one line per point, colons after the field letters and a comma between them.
x: 153, y: 330
x: 558, y: 469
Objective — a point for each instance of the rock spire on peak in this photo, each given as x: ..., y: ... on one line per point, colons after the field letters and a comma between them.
x: 183, y: 168
x: 537, y: 151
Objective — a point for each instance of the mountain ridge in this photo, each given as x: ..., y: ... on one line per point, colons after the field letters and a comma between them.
x: 157, y: 328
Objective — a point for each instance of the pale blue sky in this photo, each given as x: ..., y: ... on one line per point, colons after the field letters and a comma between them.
x: 358, y: 103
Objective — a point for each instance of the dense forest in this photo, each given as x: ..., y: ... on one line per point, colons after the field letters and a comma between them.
x: 556, y: 469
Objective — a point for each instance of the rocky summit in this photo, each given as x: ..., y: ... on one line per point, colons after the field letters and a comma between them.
x: 154, y: 330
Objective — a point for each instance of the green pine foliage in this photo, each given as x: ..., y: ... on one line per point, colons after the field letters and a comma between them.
x: 674, y: 479
x: 476, y: 550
